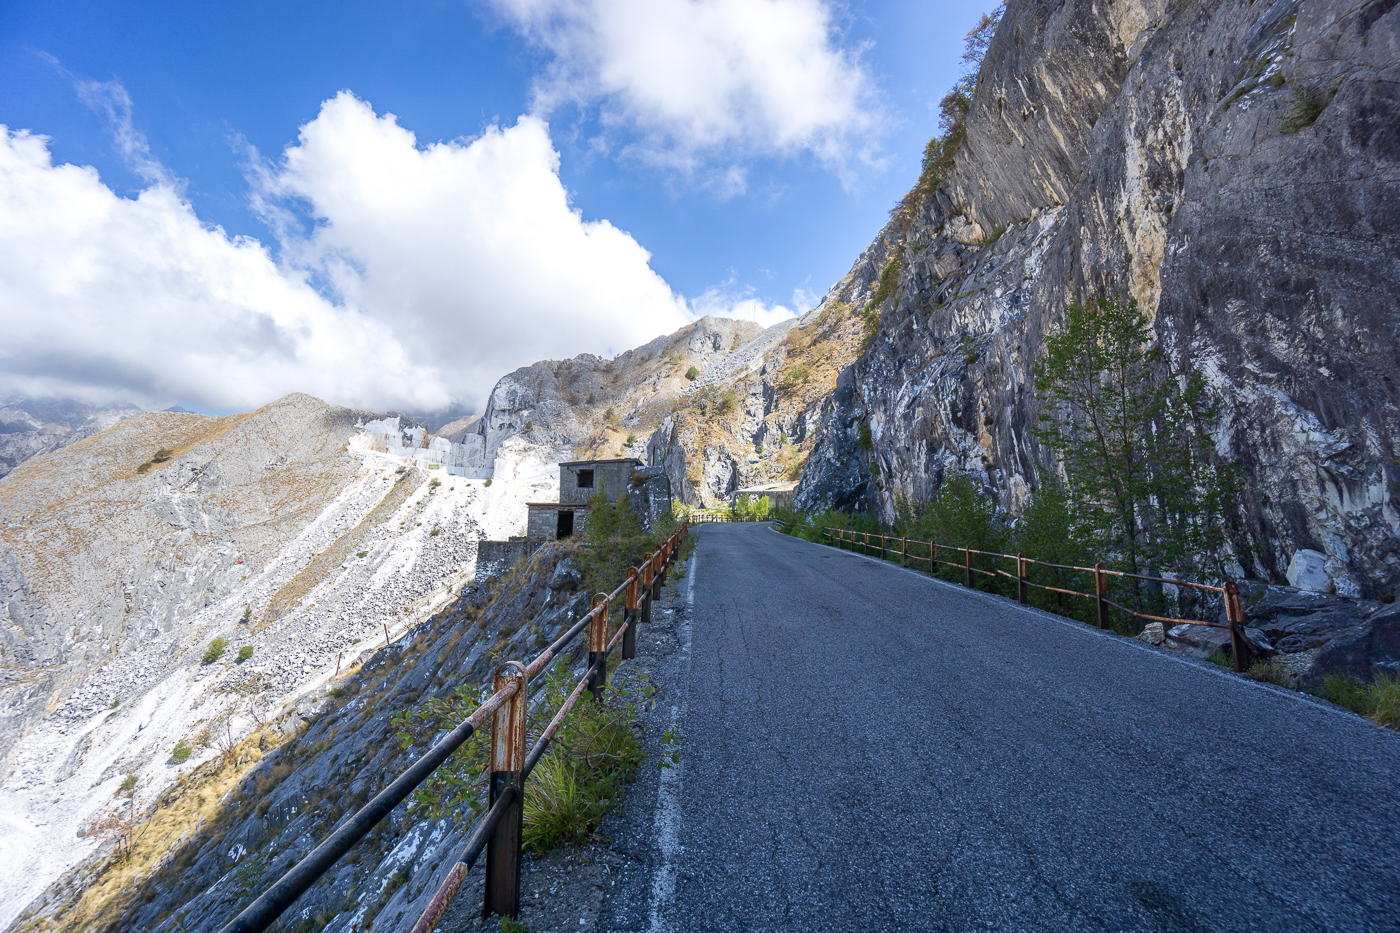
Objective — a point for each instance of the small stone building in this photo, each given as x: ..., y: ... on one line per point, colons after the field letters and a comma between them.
x: 647, y: 488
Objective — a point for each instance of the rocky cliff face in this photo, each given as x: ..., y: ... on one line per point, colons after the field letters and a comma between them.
x: 30, y: 427
x: 720, y: 404
x: 1235, y: 168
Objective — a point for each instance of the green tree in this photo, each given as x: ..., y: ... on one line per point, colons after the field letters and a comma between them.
x: 960, y: 516
x: 1050, y: 530
x: 1134, y: 440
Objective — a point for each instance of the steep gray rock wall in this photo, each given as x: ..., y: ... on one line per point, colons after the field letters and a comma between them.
x: 1159, y: 151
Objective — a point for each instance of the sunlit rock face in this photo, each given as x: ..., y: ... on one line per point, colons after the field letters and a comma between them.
x: 1162, y: 152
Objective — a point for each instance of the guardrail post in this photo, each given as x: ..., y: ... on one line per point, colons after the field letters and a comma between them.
x: 598, y: 646
x: 971, y: 580
x: 865, y: 544
x: 933, y: 558
x: 629, y: 616
x: 904, y: 551
x: 507, y: 761
x: 1022, y: 590
x: 1234, y: 614
x: 646, y: 586
x: 1101, y: 588
x: 884, y: 546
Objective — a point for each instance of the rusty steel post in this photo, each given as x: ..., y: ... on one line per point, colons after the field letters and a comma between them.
x: 598, y: 647
x: 904, y: 551
x: 1101, y: 588
x: 646, y: 586
x: 933, y: 558
x: 1234, y: 614
x: 629, y: 616
x: 1022, y: 589
x: 971, y: 580
x: 507, y: 761
x: 884, y: 546
x: 865, y: 543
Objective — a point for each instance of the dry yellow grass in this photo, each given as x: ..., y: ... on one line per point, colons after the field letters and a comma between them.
x: 187, y: 807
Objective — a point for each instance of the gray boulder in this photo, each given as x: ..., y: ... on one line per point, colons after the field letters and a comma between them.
x: 1308, y: 571
x: 1361, y: 651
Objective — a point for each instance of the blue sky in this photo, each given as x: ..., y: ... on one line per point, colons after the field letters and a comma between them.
x: 751, y: 147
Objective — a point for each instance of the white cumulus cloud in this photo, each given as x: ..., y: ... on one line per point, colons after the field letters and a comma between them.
x: 108, y: 297
x: 706, y: 78
x: 417, y: 276
x: 469, y: 251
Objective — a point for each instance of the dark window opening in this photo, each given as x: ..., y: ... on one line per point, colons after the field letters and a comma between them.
x: 585, y: 479
x: 565, y: 528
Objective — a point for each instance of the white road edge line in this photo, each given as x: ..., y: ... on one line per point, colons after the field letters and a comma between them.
x: 1205, y: 667
x: 668, y: 791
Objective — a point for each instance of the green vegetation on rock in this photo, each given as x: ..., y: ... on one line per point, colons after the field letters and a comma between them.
x: 216, y: 650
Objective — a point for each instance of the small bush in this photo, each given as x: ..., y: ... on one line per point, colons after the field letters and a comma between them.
x: 865, y: 441
x: 362, y: 553
x: 162, y: 455
x: 181, y: 752
x: 1273, y: 671
x: 247, y: 613
x: 728, y: 401
x: 796, y: 375
x: 216, y: 650
x: 397, y: 880
x: 1306, y: 107
x: 435, y: 532
x: 245, y: 653
x: 488, y: 481
x: 575, y: 786
x: 692, y: 373
x: 434, y: 484
x: 631, y: 439
x: 1378, y: 701
x: 145, y: 467
x: 116, y: 701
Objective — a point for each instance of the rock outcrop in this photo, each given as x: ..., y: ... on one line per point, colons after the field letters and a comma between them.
x: 125, y: 555
x: 1233, y: 167
x: 330, y: 753
x: 30, y: 427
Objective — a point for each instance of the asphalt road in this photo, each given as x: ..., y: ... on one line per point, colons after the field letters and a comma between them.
x: 867, y: 749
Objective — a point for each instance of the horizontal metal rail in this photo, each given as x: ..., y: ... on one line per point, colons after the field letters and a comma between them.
x: 503, y: 702
x: 1230, y: 590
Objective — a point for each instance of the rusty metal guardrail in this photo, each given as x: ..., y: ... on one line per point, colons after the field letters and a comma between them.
x: 1230, y: 590
x: 499, y: 829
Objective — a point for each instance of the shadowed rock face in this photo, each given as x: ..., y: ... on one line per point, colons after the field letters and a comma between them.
x: 1162, y: 152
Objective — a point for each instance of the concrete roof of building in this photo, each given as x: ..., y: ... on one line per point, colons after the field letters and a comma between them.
x: 616, y: 460
x: 553, y: 505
